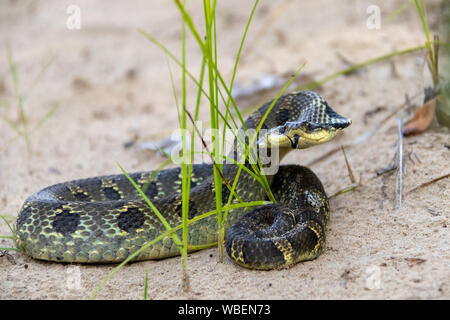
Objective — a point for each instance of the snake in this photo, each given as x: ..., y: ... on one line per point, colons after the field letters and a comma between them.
x: 105, y: 219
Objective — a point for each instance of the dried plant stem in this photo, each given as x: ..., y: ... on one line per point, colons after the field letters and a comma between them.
x: 428, y: 183
x: 349, y: 168
x: 400, y: 169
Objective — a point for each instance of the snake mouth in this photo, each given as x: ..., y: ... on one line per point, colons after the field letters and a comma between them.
x: 300, y: 140
x: 302, y: 135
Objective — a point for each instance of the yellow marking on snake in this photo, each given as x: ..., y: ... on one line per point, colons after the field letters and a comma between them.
x: 317, y: 229
x: 285, y: 247
x: 237, y: 253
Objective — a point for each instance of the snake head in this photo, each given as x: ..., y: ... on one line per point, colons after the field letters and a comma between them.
x: 316, y: 123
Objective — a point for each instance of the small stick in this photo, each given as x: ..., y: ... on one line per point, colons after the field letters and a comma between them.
x: 349, y: 169
x: 386, y: 170
x: 399, y: 183
x: 428, y: 183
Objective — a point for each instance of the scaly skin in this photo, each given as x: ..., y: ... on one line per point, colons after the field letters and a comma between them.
x: 104, y: 219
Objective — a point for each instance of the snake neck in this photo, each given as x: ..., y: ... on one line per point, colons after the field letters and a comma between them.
x: 271, y: 168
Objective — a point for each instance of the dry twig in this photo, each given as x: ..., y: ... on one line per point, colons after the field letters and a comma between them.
x: 425, y: 184
x: 349, y: 169
x: 400, y: 167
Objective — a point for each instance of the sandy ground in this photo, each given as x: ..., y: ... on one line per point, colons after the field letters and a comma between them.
x: 110, y: 86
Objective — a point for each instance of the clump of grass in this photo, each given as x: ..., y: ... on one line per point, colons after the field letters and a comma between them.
x: 217, y: 90
x: 216, y: 86
x: 12, y: 236
x: 431, y: 46
x: 22, y: 126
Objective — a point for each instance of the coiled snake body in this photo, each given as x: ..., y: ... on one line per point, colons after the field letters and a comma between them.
x: 104, y: 219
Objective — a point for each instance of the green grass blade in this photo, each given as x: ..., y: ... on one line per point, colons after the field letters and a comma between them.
x: 187, y: 19
x: 7, y: 223
x: 174, y: 90
x: 185, y: 171
x: 13, y: 126
x: 19, y: 98
x: 243, y: 167
x: 8, y: 216
x: 236, y: 62
x: 399, y: 10
x: 202, y: 246
x: 47, y: 116
x: 171, y: 56
x: 229, y: 207
x: 206, y: 49
x: 40, y: 75
x: 130, y: 257
x: 152, y: 206
x: 345, y: 190
x: 146, y: 285
x: 208, y: 52
x: 155, y: 172
x: 11, y: 249
x: 194, y: 80
x: 14, y: 74
x: 421, y: 10
x: 315, y: 84
x: 253, y: 138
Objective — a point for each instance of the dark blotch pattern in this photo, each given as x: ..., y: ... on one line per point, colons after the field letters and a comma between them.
x: 66, y: 222
x: 131, y: 219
